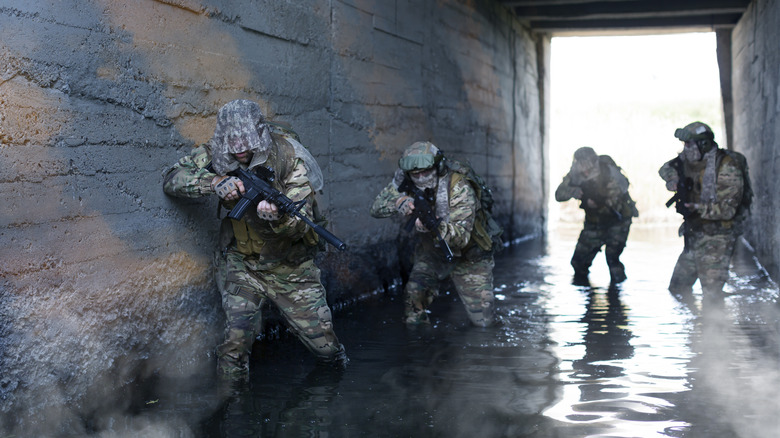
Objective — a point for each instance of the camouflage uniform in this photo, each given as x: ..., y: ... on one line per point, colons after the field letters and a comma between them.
x: 709, y: 230
x: 471, y: 269
x: 262, y: 260
x: 607, y: 217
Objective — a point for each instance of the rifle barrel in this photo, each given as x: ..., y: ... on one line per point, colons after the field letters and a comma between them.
x: 327, y: 235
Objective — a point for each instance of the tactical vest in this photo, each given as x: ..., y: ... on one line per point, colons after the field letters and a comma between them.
x: 255, y: 237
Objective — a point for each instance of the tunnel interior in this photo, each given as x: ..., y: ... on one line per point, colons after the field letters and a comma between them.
x: 105, y: 282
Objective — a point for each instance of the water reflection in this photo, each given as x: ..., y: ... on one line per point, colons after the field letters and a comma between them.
x: 304, y: 411
x: 606, y: 337
x: 566, y: 361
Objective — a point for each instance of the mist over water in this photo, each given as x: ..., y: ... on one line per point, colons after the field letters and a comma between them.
x: 74, y: 358
x: 567, y: 361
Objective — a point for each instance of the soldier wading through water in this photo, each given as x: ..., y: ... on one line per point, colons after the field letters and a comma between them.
x: 264, y: 256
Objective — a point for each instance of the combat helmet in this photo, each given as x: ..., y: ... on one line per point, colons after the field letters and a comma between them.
x: 585, y: 153
x: 699, y: 133
x: 420, y: 155
x: 244, y: 120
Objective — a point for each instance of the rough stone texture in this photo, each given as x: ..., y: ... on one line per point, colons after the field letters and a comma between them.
x: 756, y: 84
x: 103, y: 278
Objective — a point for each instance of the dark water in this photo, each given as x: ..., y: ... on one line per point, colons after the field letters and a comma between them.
x: 567, y: 361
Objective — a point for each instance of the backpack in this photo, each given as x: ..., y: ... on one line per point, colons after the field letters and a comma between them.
x: 487, y: 232
x: 743, y: 211
x: 595, y: 190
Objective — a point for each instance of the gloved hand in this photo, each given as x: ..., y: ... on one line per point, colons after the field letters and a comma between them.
x: 405, y: 204
x: 418, y: 225
x: 228, y: 188
x: 267, y: 211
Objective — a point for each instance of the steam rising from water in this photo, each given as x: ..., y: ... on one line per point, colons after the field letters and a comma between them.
x: 568, y: 361
x: 73, y: 356
x: 737, y: 363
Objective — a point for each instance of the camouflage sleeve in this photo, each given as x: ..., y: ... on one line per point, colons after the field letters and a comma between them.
x: 456, y: 229
x: 728, y: 196
x: 668, y: 172
x: 188, y: 178
x: 384, y: 203
x: 566, y: 191
x: 297, y: 188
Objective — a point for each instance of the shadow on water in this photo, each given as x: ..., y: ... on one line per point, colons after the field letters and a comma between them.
x: 566, y: 361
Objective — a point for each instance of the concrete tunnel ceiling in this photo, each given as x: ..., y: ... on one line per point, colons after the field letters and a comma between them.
x: 613, y: 16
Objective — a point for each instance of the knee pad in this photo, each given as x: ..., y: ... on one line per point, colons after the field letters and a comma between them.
x: 487, y: 298
x: 325, y: 317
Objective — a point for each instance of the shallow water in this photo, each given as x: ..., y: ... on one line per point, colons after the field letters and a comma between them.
x: 567, y: 361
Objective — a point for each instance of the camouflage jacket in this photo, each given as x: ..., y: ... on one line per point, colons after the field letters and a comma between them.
x: 608, y: 190
x: 456, y: 205
x: 728, y: 189
x: 288, y: 238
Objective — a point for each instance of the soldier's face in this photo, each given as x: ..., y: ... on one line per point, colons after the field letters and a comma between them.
x: 691, y: 151
x: 243, y: 157
x: 587, y: 168
x: 239, y: 146
x: 423, y: 179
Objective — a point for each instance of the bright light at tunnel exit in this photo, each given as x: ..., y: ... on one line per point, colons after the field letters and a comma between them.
x: 624, y: 96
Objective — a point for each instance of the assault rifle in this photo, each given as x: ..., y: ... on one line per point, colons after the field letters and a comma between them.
x: 257, y: 187
x: 590, y: 191
x: 602, y: 202
x: 425, y: 210
x: 684, y: 188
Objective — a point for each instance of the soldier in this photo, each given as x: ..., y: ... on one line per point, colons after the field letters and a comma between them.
x: 264, y: 256
x: 602, y: 189
x: 444, y: 203
x: 710, y: 183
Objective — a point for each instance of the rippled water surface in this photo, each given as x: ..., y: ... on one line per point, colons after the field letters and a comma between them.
x: 567, y: 361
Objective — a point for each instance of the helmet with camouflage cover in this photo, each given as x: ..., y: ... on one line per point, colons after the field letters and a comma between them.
x: 694, y: 131
x: 420, y: 155
x: 241, y: 127
x: 699, y: 133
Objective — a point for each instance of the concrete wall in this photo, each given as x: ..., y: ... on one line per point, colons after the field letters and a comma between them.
x: 756, y: 84
x: 103, y: 277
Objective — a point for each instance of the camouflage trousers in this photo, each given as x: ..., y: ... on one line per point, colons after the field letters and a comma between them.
x: 592, y: 237
x: 473, y: 280
x: 295, y: 290
x: 706, y: 257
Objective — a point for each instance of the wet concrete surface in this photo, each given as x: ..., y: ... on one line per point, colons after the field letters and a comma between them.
x: 566, y: 361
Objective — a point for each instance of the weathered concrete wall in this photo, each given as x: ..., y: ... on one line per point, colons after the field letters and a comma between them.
x: 756, y: 84
x: 99, y: 269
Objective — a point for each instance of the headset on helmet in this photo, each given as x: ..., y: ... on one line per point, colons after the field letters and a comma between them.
x: 699, y: 133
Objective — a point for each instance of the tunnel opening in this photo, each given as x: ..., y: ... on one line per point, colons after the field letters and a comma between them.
x: 624, y: 96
